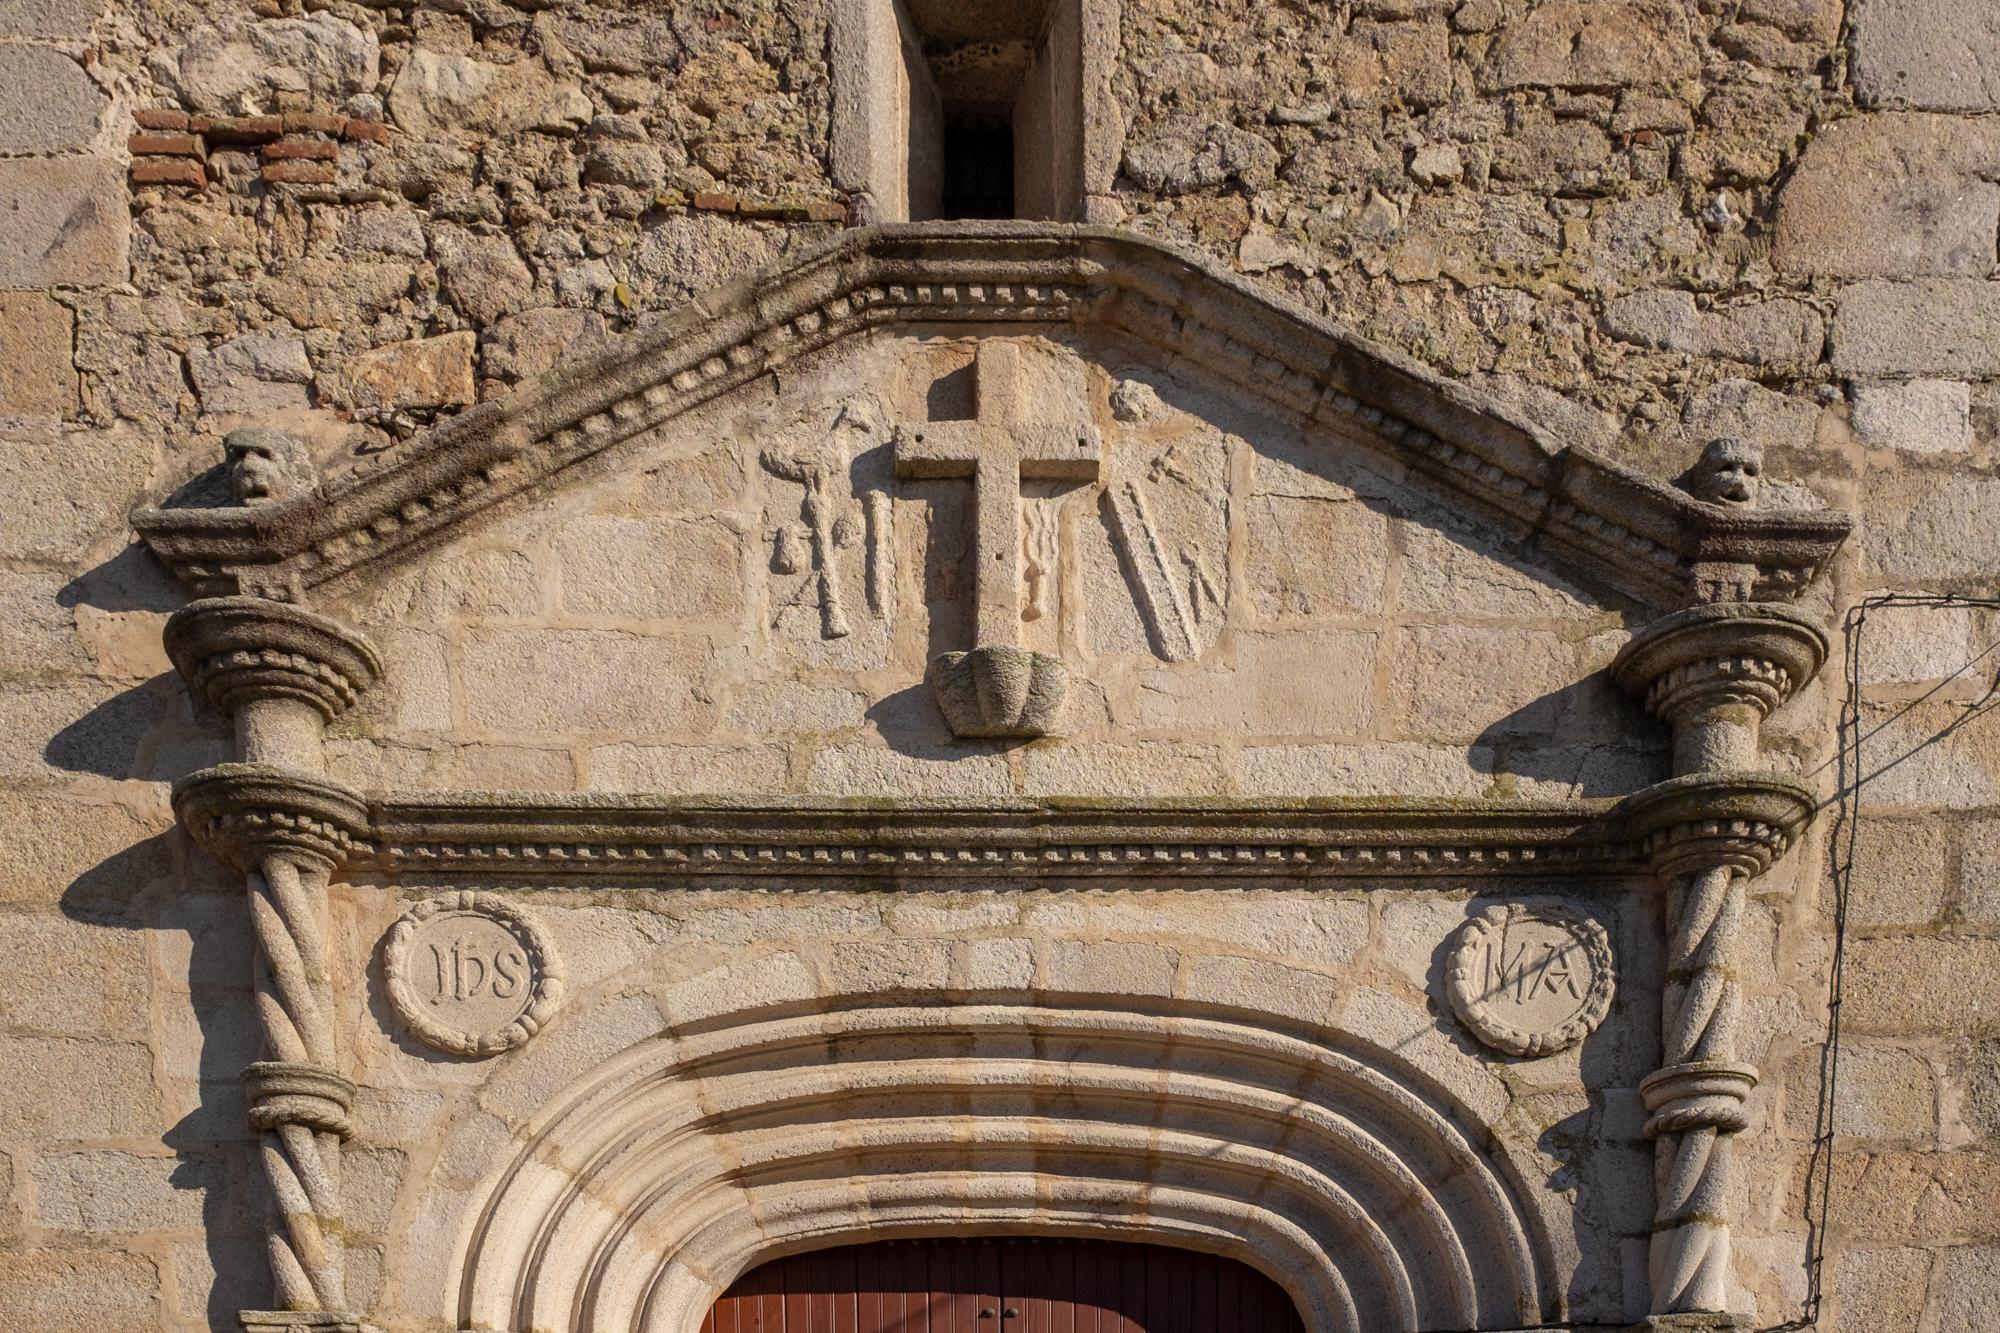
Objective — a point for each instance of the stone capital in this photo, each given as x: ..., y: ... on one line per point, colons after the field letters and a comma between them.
x: 1752, y: 654
x: 1736, y: 821
x: 243, y: 814
x: 239, y: 650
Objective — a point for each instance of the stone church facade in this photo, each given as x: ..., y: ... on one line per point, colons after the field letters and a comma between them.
x: 664, y: 660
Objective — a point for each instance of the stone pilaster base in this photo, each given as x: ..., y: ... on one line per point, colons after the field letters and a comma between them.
x: 1695, y: 1322
x: 302, y: 1321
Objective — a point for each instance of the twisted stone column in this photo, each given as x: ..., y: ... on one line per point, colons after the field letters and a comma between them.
x: 281, y: 673
x: 1714, y: 674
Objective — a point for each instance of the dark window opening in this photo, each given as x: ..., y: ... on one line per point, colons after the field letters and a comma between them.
x: 978, y: 169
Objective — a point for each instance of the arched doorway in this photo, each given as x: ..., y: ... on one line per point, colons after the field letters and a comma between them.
x: 1004, y: 1285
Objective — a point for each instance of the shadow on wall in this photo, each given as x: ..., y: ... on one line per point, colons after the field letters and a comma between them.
x: 1602, y: 1162
x: 162, y: 885
x: 1587, y: 736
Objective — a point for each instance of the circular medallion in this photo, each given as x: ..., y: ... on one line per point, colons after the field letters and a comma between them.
x: 470, y: 973
x: 1530, y: 980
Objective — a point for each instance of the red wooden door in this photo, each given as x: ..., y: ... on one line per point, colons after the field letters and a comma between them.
x: 1028, y: 1285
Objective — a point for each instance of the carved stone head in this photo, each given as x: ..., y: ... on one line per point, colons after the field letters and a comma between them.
x: 266, y: 466
x: 1730, y: 471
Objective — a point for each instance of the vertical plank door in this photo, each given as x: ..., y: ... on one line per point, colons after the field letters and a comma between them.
x: 1003, y: 1285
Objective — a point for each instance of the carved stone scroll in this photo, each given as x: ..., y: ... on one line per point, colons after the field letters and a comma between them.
x: 1714, y: 673
x: 281, y: 672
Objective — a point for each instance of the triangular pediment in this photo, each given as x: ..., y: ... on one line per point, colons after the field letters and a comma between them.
x: 1586, y: 520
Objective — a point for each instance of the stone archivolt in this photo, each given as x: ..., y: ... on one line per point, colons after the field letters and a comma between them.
x: 648, y: 1185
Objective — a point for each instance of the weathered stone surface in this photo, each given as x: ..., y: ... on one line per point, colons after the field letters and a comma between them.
x: 67, y: 222
x: 1571, y: 44
x: 103, y: 859
x: 118, y: 1192
x: 233, y: 71
x: 256, y: 374
x: 578, y: 682
x: 437, y: 94
x: 522, y: 346
x: 1926, y: 53
x: 481, y: 275
x: 424, y: 372
x: 1435, y: 670
x: 747, y: 769
x: 1918, y: 416
x: 1966, y: 1277
x: 37, y: 377
x: 49, y: 18
x: 107, y: 1088
x: 1934, y: 327
x: 69, y: 492
x: 651, y: 569
x: 47, y: 103
x: 1906, y: 985
x: 1932, y: 525
x: 72, y: 978
x: 1882, y: 1289
x: 1661, y: 317
x: 1893, y: 196
x: 57, y: 1290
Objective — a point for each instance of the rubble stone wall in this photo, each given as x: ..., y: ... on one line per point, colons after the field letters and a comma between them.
x: 1646, y: 222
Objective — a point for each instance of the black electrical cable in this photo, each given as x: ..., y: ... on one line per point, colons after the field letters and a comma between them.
x: 1850, y: 778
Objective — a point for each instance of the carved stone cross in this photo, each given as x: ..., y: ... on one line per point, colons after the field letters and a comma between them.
x: 1006, y: 445
x: 999, y: 688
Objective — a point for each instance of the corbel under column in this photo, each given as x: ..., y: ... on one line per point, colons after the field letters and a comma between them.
x: 281, y: 673
x: 1713, y: 673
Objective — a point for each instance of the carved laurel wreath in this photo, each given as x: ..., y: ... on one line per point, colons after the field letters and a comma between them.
x: 1463, y: 976
x: 543, y: 964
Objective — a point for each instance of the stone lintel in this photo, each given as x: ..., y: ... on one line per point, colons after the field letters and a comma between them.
x: 605, y: 837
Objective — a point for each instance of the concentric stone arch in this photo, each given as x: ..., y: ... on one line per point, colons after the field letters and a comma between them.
x: 640, y: 1193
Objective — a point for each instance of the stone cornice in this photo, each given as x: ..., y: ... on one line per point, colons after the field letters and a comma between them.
x: 610, y: 837
x: 1624, y: 531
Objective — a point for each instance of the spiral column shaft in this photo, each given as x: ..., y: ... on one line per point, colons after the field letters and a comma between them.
x: 280, y: 673
x: 1713, y: 674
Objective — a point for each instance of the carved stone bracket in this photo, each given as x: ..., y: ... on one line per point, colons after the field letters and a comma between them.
x: 1743, y: 822
x: 244, y: 815
x: 1000, y: 691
